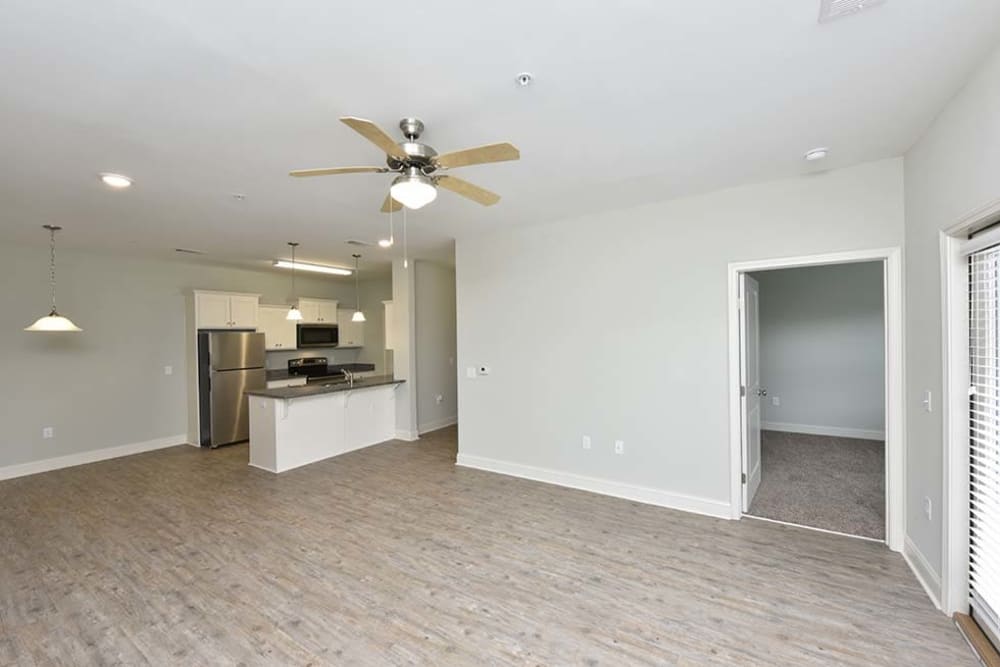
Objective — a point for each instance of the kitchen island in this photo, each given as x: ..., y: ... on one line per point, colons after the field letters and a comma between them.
x: 295, y: 426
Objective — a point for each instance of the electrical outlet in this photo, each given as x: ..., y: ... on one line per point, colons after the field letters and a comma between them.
x: 927, y: 507
x: 775, y: 401
x: 619, y: 446
x: 168, y: 370
x: 48, y: 432
x: 470, y: 372
x: 438, y: 399
x: 586, y: 442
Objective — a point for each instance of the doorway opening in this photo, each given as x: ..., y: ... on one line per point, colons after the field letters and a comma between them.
x: 815, y: 395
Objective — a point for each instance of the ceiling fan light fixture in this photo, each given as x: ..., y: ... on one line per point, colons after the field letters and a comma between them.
x: 413, y: 189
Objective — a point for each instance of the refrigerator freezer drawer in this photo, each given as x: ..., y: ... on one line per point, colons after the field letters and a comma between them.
x: 230, y: 406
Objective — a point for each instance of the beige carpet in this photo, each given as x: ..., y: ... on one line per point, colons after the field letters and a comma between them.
x: 824, y: 482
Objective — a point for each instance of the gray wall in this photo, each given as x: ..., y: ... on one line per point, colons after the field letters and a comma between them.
x: 822, y: 348
x: 615, y: 325
x: 106, y: 386
x: 952, y: 171
x: 435, y: 345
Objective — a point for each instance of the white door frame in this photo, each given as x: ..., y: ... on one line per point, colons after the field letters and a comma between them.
x: 955, y: 401
x: 894, y: 422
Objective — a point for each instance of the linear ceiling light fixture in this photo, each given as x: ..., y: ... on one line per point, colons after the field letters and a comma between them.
x: 53, y: 321
x: 294, y: 314
x: 317, y: 268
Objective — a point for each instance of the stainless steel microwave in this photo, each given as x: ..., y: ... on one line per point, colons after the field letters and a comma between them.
x: 317, y: 335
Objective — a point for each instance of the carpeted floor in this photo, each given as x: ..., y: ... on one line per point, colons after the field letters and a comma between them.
x: 824, y: 482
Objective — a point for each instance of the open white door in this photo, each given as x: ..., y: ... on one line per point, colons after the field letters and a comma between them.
x: 750, y: 389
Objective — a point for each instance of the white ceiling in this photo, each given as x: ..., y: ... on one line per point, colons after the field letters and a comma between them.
x: 633, y: 102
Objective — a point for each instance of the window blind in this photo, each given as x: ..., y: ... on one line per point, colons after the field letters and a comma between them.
x: 984, y: 438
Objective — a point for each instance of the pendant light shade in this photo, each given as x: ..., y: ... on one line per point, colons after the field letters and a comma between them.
x: 358, y: 316
x: 53, y: 322
x: 294, y: 314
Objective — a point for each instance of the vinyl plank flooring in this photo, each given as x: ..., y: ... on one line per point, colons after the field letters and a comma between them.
x: 392, y: 555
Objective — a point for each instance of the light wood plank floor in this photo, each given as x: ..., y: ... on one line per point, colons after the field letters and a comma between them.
x: 392, y: 555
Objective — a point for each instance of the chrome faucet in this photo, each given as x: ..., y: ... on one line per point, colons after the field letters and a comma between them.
x: 348, y: 375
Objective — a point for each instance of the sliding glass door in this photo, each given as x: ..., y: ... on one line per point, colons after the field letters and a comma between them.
x: 984, y: 439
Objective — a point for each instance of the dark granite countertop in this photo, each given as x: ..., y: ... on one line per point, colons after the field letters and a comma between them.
x: 332, y: 371
x: 318, y: 388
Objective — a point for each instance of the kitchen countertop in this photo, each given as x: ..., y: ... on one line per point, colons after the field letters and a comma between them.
x: 318, y: 388
x: 333, y: 370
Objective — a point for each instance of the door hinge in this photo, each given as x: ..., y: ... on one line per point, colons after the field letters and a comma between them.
x: 743, y: 478
x: 743, y: 390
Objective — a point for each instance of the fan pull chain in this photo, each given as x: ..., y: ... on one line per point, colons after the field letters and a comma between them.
x: 406, y: 251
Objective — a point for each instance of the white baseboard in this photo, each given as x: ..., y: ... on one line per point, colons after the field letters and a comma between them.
x: 713, y: 508
x: 408, y: 436
x: 836, y: 431
x: 94, y: 455
x: 922, y: 569
x: 437, y: 424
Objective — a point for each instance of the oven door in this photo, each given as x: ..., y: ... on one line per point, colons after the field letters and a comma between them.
x: 317, y: 335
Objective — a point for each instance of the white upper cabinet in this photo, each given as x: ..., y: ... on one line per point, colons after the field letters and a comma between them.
x: 350, y: 334
x: 225, y: 310
x: 318, y: 311
x: 279, y: 332
x: 390, y: 325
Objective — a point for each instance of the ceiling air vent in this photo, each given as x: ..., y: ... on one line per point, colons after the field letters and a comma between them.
x: 835, y: 9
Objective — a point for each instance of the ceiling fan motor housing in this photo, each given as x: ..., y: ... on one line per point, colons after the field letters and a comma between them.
x: 417, y: 154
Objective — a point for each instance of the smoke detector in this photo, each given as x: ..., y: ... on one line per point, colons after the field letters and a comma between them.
x: 830, y: 10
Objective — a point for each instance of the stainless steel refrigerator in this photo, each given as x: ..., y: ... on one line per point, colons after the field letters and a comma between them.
x: 229, y: 363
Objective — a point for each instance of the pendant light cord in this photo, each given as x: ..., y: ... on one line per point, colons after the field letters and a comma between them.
x: 293, y: 271
x: 357, y: 293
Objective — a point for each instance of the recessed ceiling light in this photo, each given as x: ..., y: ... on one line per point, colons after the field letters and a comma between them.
x: 116, y: 180
x: 816, y: 154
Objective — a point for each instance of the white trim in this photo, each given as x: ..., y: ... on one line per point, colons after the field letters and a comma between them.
x: 922, y: 570
x: 835, y: 431
x: 407, y: 436
x: 813, y: 528
x: 895, y: 424
x: 954, y: 581
x: 92, y: 456
x: 641, y: 494
x: 437, y: 424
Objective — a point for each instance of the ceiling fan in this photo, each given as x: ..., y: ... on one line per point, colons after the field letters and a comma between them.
x: 417, y: 165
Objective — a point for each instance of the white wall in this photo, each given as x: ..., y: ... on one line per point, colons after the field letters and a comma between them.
x: 106, y: 387
x: 822, y: 349
x: 615, y: 326
x: 950, y: 172
x: 437, y: 390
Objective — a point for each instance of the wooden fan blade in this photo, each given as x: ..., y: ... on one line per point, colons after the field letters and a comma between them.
x: 376, y: 135
x: 338, y: 170
x: 390, y: 204
x: 479, y: 155
x: 468, y: 190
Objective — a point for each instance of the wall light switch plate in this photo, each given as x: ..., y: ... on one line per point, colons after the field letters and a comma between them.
x: 776, y: 401
x: 586, y: 442
x: 619, y: 446
x: 168, y: 370
x: 927, y: 507
x: 48, y: 432
x: 927, y: 401
x: 470, y: 372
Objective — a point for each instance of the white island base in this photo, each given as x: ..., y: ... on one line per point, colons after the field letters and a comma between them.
x: 286, y: 433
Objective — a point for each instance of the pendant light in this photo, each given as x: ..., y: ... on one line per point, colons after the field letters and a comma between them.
x: 53, y: 321
x: 293, y: 313
x: 358, y: 316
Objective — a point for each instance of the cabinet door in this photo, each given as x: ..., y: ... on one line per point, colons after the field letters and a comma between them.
x: 310, y: 311
x: 212, y: 311
x: 351, y: 334
x: 243, y: 311
x: 328, y: 312
x: 279, y: 332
